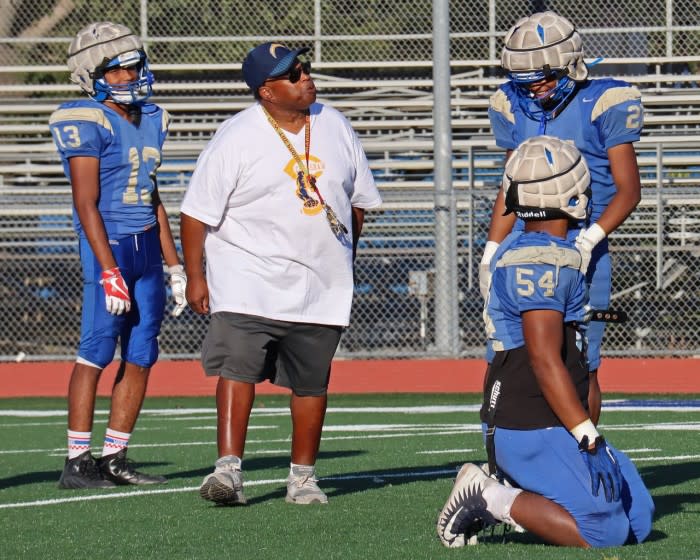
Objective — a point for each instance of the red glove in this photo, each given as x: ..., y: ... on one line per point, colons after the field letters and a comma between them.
x: 117, y: 297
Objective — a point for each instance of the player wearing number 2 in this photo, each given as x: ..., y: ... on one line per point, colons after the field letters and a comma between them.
x: 549, y: 92
x: 110, y: 146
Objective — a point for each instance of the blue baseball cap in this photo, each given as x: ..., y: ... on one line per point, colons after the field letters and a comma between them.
x: 268, y: 60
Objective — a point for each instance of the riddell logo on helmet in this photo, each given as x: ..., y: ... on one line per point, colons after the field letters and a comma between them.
x: 531, y: 214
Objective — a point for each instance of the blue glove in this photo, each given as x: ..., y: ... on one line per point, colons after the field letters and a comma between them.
x: 603, y: 467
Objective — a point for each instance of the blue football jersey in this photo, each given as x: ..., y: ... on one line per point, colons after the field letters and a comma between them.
x: 530, y: 271
x: 129, y: 156
x: 602, y: 114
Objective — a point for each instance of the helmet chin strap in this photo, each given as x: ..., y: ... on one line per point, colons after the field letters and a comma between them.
x: 547, y: 108
x: 132, y: 93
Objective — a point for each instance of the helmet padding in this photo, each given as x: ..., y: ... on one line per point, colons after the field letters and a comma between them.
x: 544, y: 42
x: 102, y: 45
x: 547, y: 178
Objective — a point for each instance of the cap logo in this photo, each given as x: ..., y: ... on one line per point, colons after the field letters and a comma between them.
x: 274, y: 47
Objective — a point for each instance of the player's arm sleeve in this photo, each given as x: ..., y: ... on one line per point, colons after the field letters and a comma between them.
x: 540, y: 286
x: 365, y: 192
x: 212, y: 183
x: 619, y: 115
x: 80, y: 131
x: 164, y: 126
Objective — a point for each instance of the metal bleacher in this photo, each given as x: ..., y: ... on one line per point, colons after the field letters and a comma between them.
x: 394, y: 119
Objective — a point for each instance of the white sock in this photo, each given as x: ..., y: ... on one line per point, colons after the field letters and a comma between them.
x: 228, y: 462
x: 499, y: 499
x: 78, y: 443
x: 305, y: 469
x: 114, y: 442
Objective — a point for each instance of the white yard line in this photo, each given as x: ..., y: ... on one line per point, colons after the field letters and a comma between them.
x: 608, y: 406
x: 111, y: 495
x: 446, y: 451
x: 664, y: 459
x: 428, y: 432
x: 378, y: 477
x: 381, y: 431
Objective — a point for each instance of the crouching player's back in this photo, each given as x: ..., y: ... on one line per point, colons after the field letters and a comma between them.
x: 566, y: 483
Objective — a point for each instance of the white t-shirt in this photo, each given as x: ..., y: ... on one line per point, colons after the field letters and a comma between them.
x: 269, y: 254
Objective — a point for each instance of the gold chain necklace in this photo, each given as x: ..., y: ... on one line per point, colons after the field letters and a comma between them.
x: 337, y: 227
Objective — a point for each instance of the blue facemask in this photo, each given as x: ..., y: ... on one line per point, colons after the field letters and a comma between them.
x: 546, y: 107
x: 129, y: 93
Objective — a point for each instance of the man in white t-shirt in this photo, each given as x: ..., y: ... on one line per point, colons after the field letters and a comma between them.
x: 277, y: 203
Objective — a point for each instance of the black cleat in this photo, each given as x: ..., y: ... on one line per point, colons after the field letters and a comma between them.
x: 120, y: 470
x: 82, y: 472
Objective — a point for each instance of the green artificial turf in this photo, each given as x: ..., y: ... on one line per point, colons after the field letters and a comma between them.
x: 387, y: 463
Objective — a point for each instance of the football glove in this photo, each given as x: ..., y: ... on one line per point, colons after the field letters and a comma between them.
x: 586, y: 241
x: 178, y: 284
x: 485, y: 268
x: 604, y: 468
x: 117, y: 297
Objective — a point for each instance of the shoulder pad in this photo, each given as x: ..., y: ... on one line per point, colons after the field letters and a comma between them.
x: 165, y: 121
x: 85, y: 114
x: 615, y: 96
x: 552, y: 255
x: 500, y: 103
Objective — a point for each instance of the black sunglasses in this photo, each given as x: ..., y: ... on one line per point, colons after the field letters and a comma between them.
x: 294, y: 75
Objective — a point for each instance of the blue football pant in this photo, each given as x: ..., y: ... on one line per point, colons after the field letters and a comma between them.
x: 548, y: 462
x: 599, y: 280
x: 139, y: 260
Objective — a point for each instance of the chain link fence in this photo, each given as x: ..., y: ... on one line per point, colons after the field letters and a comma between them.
x: 37, y: 32
x: 373, y: 61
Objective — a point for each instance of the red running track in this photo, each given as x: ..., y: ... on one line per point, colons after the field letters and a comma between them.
x: 186, y: 378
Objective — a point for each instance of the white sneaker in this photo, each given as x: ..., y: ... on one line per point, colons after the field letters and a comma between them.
x: 465, y: 513
x: 225, y: 485
x: 302, y: 487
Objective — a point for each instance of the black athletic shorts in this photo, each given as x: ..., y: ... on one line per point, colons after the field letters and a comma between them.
x: 251, y: 349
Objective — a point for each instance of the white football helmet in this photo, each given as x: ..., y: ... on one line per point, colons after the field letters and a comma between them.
x: 545, y: 45
x: 547, y: 178
x: 104, y: 45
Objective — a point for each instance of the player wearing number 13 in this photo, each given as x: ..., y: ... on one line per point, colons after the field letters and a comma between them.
x: 110, y: 146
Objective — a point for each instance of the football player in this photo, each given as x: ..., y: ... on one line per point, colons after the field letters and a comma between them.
x: 549, y: 92
x: 110, y: 146
x: 566, y: 484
